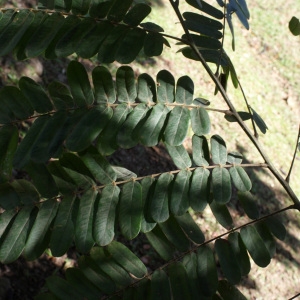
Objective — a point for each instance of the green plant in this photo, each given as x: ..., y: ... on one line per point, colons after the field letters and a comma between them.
x: 72, y: 194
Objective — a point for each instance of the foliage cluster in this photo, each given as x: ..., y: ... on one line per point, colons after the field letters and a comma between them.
x: 71, y: 195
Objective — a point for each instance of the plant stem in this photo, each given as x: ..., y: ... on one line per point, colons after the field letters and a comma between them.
x: 294, y: 156
x: 253, y: 139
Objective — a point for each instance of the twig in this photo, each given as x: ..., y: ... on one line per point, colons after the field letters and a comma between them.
x: 294, y: 156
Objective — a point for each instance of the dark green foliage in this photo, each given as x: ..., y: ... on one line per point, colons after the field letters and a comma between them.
x: 72, y: 195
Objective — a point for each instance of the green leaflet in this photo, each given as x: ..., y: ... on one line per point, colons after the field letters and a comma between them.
x: 200, y: 121
x: 5, y: 219
x: 9, y: 136
x: 9, y: 198
x: 123, y: 173
x: 127, y: 136
x: 13, y: 32
x: 240, y: 252
x: 241, y: 10
x: 228, y: 17
x: 125, y: 258
x: 153, y: 43
x: 184, y: 90
x: 77, y: 31
x: 35, y: 94
x: 137, y: 14
x: 146, y: 89
x: 256, y: 246
x: 202, y: 41
x: 38, y: 238
x: 23, y: 152
x: 130, y: 209
x: 222, y: 214
x: 104, y: 261
x: 125, y: 84
x: 72, y: 162
x: 190, y: 228
x: 276, y: 227
x: 13, y: 243
x: 50, y: 137
x: 130, y: 46
x: 199, y: 189
x: 180, y: 156
x: 234, y: 158
x: 165, y: 87
x: 203, y: 25
x: 26, y: 192
x: 161, y: 244
x: 79, y: 84
x: 267, y: 237
x: 240, y: 179
x: 60, y: 95
x: 63, y: 228
x: 151, y: 130
x: 143, y: 290
x: 69, y: 37
x: 44, y: 34
x: 207, y: 271
x: 229, y: 291
x: 84, y: 221
x: 42, y: 179
x: 109, y: 47
x: 62, y: 289
x: 152, y: 27
x: 247, y: 201
x: 207, y: 8
x: 6, y: 18
x: 83, y: 182
x: 178, y: 281
x: 218, y: 150
x: 179, y: 201
x: 63, y: 180
x: 107, y: 140
x: 88, y: 128
x: 147, y: 190
x: 98, y: 166
x: 105, y: 215
x: 177, y: 126
x: 90, y: 42
x: 259, y: 121
x: 97, y: 277
x: 221, y: 185
x: 190, y: 263
x: 175, y: 234
x: 15, y: 102
x: 160, y: 288
x: 200, y: 150
x: 69, y: 22
x: 228, y: 262
x: 294, y: 26
x: 100, y: 9
x: 81, y: 284
x: 159, y: 202
x: 80, y: 7
x: 119, y: 10
x: 103, y: 85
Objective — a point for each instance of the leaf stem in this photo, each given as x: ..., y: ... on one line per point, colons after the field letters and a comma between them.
x: 179, y: 257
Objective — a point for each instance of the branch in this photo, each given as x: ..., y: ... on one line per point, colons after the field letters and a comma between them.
x: 253, y: 139
x: 294, y: 156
